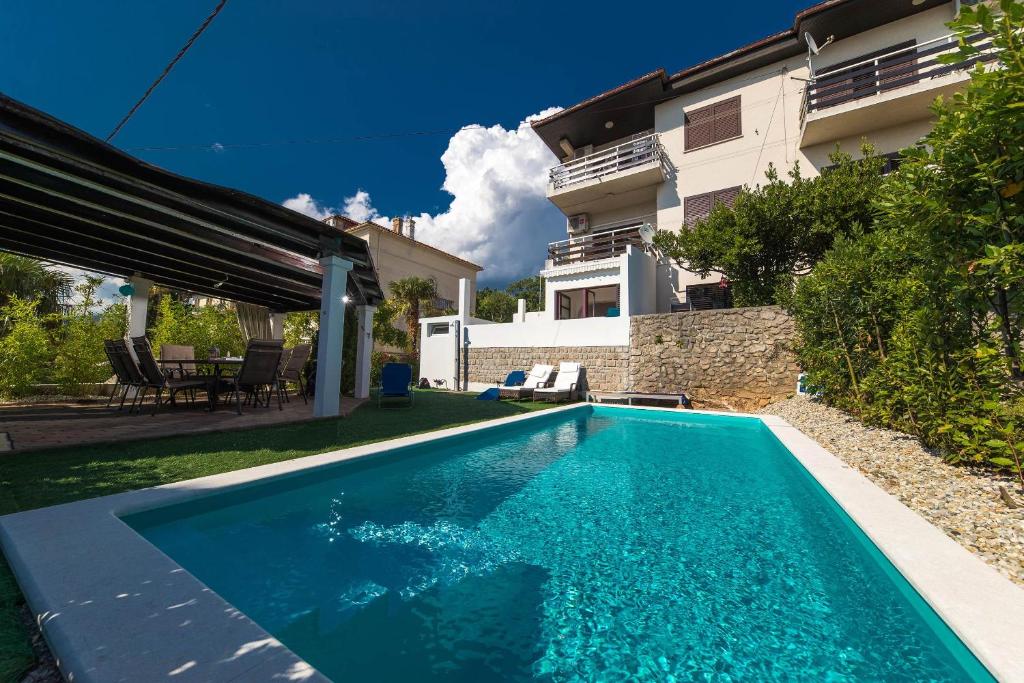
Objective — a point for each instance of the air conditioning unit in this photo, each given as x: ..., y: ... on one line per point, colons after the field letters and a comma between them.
x: 578, y: 224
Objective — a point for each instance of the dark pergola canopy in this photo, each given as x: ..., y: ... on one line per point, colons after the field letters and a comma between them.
x: 70, y: 198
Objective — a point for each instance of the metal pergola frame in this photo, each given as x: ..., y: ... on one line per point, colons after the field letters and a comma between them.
x: 73, y: 199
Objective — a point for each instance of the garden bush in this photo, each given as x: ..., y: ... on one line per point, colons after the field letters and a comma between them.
x: 25, y: 351
x: 917, y: 324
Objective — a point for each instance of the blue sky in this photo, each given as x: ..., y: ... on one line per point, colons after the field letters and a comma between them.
x: 271, y: 71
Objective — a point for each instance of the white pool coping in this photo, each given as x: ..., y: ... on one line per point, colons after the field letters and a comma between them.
x: 114, y: 608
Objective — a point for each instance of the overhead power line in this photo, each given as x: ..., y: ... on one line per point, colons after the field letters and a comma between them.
x: 167, y: 69
x: 321, y: 141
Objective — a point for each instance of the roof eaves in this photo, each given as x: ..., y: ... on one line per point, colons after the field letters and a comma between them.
x: 660, y: 73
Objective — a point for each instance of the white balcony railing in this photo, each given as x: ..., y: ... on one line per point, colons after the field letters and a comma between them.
x: 595, y: 246
x: 638, y: 152
x: 896, y: 69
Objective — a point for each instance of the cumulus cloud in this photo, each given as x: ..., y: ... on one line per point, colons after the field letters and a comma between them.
x: 304, y: 203
x: 359, y: 208
x: 498, y: 216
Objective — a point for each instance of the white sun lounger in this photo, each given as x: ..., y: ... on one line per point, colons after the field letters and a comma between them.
x: 538, y: 377
x: 565, y: 384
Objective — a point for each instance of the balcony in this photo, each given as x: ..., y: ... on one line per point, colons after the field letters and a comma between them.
x: 593, y: 247
x: 626, y: 173
x: 884, y: 90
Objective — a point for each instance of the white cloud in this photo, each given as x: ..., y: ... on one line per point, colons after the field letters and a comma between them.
x: 358, y: 208
x: 498, y: 217
x: 304, y: 203
x: 106, y: 293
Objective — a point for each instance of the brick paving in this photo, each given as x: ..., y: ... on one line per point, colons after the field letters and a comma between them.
x: 68, y: 423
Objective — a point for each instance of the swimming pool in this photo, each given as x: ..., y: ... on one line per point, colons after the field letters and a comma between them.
x: 598, y: 543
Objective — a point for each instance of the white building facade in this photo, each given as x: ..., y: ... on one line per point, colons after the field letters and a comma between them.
x: 659, y: 152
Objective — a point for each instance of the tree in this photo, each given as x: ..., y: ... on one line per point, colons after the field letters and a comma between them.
x: 779, y: 230
x: 496, y: 305
x: 409, y: 295
x: 529, y: 288
x: 964, y: 183
x: 27, y: 278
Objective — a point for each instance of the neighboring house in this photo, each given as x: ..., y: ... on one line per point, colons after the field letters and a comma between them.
x: 663, y: 149
x: 660, y: 151
x: 397, y: 254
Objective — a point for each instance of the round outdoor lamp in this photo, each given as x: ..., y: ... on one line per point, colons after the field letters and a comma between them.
x: 127, y: 289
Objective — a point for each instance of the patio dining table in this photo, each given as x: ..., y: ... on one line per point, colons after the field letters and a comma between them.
x: 218, y: 366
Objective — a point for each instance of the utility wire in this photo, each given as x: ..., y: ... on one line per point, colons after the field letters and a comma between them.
x: 167, y: 69
x: 323, y: 141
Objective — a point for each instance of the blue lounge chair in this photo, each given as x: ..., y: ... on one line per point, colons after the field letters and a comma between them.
x: 516, y: 378
x: 395, y: 382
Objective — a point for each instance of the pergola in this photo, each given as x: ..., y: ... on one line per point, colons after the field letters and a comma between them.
x: 73, y: 199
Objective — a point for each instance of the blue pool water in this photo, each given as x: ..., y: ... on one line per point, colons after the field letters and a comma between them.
x: 597, y: 544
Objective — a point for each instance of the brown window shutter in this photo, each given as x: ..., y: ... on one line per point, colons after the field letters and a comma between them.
x: 726, y: 196
x: 699, y: 128
x: 696, y: 208
x: 727, y: 119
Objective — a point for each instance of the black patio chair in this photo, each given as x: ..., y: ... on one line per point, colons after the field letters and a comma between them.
x: 155, y: 378
x: 292, y: 371
x: 257, y: 373
x: 126, y: 371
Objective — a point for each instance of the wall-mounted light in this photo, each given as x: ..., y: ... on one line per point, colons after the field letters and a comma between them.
x: 220, y: 284
x: 345, y: 299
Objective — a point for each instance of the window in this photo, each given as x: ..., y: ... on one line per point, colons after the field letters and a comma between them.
x: 697, y: 207
x: 589, y: 302
x: 434, y: 329
x: 713, y: 124
x: 704, y: 297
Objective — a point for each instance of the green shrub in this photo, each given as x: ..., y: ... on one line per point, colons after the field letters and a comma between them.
x: 25, y: 351
x: 917, y: 325
x: 201, y: 327
x: 80, y: 358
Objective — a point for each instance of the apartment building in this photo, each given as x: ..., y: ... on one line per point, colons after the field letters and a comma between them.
x: 661, y: 150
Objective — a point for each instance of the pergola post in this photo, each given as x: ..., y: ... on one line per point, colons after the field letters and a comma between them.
x: 277, y: 325
x: 138, y: 302
x: 364, y: 349
x: 327, y: 400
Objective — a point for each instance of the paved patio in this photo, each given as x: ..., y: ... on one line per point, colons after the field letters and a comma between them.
x: 67, y: 423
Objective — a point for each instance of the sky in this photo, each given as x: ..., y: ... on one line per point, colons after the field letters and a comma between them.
x: 374, y: 109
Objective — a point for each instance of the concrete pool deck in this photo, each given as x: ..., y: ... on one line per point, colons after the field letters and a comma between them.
x: 113, y: 607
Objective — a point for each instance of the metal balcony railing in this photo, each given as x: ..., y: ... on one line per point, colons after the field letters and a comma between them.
x: 638, y: 152
x: 890, y: 71
x: 595, y: 246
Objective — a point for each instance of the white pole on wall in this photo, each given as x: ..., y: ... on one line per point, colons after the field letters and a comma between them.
x: 364, y: 349
x: 327, y: 400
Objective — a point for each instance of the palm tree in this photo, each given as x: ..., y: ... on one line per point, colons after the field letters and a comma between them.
x: 409, y: 293
x: 27, y: 278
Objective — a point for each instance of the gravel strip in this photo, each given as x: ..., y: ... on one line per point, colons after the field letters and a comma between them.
x: 962, y: 501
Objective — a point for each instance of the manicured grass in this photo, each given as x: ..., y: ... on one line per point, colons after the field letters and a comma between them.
x: 41, y: 478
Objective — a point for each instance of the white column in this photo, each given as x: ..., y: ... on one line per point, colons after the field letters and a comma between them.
x: 465, y: 299
x: 327, y: 400
x: 137, y: 304
x: 364, y: 347
x: 521, y: 311
x: 277, y: 325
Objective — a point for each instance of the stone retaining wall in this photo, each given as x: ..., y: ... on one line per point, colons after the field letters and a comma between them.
x: 736, y: 358
x: 605, y: 366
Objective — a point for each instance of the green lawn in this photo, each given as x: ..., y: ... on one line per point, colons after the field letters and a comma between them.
x: 40, y: 478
